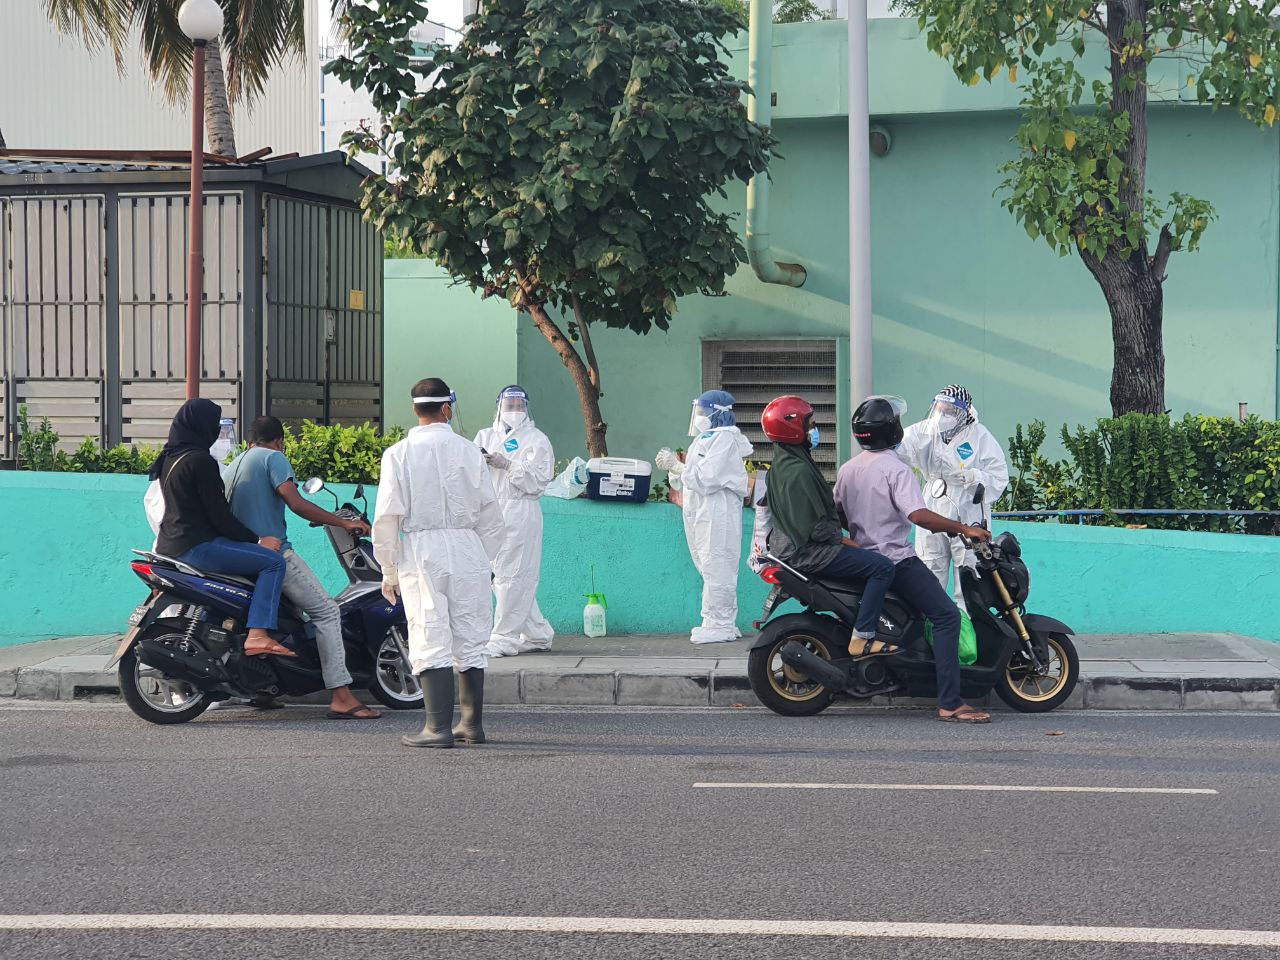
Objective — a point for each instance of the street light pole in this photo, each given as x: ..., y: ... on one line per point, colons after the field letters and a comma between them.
x: 195, y: 253
x: 860, y: 367
x: 201, y: 20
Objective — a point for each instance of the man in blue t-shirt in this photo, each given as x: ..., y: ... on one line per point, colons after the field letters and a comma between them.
x: 260, y: 484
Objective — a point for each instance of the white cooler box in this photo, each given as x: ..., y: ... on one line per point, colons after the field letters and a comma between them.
x: 618, y: 479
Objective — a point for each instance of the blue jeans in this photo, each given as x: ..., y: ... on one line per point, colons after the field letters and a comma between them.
x: 916, y: 584
x: 853, y: 563
x: 221, y: 555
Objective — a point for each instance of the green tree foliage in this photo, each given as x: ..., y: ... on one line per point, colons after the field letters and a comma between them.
x: 561, y: 156
x: 784, y: 11
x: 1079, y: 180
x: 257, y: 36
x: 1143, y: 461
x: 799, y: 11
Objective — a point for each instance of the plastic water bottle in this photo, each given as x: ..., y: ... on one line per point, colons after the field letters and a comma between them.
x: 226, y: 442
x: 593, y: 618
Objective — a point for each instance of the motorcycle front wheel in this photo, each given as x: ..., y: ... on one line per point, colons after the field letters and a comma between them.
x: 394, y: 684
x: 782, y: 688
x: 155, y: 697
x: 1030, y: 690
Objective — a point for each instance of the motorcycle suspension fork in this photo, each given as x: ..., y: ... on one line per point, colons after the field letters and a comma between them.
x: 1011, y: 611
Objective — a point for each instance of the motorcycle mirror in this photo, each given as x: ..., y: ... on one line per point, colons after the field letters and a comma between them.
x: 980, y: 494
x: 359, y: 494
x: 938, y: 489
x: 313, y: 486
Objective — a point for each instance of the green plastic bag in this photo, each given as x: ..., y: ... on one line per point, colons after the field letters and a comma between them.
x: 968, y: 639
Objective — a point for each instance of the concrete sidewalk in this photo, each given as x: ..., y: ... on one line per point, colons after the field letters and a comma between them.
x: 1119, y: 672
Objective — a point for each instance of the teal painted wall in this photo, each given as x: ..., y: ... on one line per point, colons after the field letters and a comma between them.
x: 437, y: 329
x: 68, y: 574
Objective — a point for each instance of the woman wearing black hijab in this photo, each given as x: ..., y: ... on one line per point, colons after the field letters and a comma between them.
x: 199, y: 528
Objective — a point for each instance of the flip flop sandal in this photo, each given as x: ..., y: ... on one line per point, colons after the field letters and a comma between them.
x: 354, y: 714
x: 275, y: 650
x: 967, y: 715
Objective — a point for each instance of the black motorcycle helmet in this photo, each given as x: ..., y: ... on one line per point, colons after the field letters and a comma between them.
x: 877, y: 423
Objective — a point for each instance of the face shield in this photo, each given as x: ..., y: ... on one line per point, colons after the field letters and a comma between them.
x: 700, y: 420
x: 513, y: 408
x: 947, y: 417
x: 452, y: 399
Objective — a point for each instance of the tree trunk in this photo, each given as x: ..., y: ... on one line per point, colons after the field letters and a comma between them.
x: 588, y: 394
x: 1133, y: 287
x: 219, y: 131
x: 1135, y: 297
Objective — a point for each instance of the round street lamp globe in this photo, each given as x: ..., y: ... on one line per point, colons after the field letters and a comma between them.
x: 201, y: 20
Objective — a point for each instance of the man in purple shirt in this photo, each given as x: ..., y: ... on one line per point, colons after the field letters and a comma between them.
x: 879, y: 500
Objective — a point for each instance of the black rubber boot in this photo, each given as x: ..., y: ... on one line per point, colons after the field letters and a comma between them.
x: 471, y: 698
x: 437, y: 701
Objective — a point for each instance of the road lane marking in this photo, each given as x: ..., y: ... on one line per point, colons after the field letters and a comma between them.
x: 651, y: 926
x: 973, y: 787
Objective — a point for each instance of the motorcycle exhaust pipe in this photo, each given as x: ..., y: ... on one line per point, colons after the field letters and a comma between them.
x: 800, y: 658
x: 182, y: 666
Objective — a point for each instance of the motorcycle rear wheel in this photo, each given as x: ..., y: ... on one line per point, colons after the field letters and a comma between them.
x: 1029, y: 691
x: 782, y: 689
x: 155, y: 697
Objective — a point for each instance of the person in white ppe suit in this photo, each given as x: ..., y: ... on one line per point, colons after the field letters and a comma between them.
x: 436, y: 530
x: 714, y: 478
x: 952, y: 446
x: 521, y: 464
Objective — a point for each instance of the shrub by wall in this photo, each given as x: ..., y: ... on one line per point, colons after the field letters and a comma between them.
x: 336, y: 453
x: 1144, y: 461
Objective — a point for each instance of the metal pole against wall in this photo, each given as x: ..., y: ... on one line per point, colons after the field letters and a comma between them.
x: 860, y: 368
x: 195, y: 257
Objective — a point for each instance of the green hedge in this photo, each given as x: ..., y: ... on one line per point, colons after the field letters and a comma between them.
x: 338, y: 454
x: 1145, y: 461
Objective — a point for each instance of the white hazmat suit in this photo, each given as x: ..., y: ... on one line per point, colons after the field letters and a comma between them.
x: 971, y: 457
x: 438, y: 526
x: 523, y: 467
x: 715, y: 486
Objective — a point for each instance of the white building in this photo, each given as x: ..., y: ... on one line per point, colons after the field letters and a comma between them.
x: 54, y: 94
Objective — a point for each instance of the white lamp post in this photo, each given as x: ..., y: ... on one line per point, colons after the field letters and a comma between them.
x: 859, y: 209
x: 201, y: 20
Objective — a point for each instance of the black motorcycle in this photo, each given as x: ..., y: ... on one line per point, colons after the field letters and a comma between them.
x: 185, y: 646
x: 800, y: 662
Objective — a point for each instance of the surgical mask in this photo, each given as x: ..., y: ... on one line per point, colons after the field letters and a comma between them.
x: 700, y: 424
x: 514, y: 418
x: 815, y: 436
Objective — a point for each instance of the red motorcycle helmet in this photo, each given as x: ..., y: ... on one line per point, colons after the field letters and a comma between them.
x: 785, y: 420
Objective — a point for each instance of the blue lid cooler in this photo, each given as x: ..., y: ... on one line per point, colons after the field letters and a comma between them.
x: 618, y: 479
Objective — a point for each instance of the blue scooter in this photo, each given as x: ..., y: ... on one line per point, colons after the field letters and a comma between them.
x: 185, y: 647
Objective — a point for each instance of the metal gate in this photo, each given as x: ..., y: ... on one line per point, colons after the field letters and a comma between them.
x: 153, y: 231
x: 53, y: 306
x: 323, y: 302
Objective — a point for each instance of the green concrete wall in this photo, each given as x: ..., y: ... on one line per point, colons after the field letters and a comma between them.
x: 960, y: 293
x: 435, y: 328
x: 68, y: 574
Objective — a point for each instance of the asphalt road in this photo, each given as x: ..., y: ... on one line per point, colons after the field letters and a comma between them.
x: 595, y: 814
